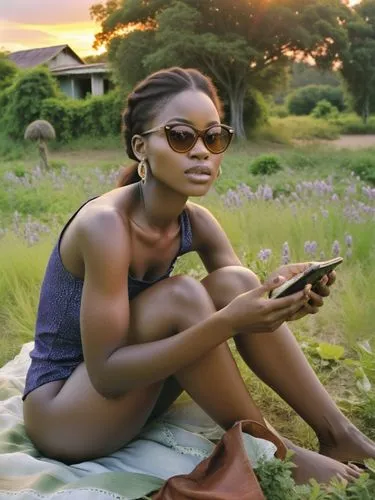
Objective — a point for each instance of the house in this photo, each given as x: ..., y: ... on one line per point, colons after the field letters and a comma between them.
x: 75, y: 77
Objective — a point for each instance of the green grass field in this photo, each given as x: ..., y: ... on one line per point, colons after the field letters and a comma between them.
x: 321, y: 201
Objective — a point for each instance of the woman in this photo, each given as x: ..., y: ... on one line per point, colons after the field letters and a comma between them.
x: 108, y: 357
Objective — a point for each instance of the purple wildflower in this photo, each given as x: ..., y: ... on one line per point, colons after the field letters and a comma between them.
x: 264, y: 193
x: 349, y: 245
x: 264, y: 254
x: 369, y: 192
x: 310, y: 248
x: 285, y: 254
x: 348, y: 240
x: 232, y: 199
x: 352, y: 189
x: 16, y: 223
x: 245, y: 191
x: 336, y: 249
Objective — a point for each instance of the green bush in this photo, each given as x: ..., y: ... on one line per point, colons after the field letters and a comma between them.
x: 14, y: 150
x: 304, y: 100
x: 306, y: 127
x: 363, y: 166
x: 279, y: 110
x: 95, y: 117
x: 23, y: 100
x: 8, y: 71
x: 265, y: 165
x: 58, y: 113
x: 324, y: 109
x: 19, y: 169
x: 255, y: 111
x: 5, y: 98
x: 109, y: 107
x: 353, y: 124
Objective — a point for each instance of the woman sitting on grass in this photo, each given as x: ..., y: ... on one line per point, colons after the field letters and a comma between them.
x: 118, y: 339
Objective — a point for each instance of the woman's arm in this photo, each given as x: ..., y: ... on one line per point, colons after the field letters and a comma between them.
x: 216, y: 251
x: 210, y: 240
x: 114, y: 366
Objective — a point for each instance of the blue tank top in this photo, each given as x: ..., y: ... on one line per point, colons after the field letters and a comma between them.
x: 58, y: 348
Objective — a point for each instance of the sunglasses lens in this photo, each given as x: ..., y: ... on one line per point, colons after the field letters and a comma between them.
x: 217, y: 139
x: 181, y: 138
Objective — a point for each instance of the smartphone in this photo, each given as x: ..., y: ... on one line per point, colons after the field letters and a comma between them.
x: 310, y: 276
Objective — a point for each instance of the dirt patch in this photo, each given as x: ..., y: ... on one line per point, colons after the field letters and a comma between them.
x: 354, y: 141
x: 346, y: 142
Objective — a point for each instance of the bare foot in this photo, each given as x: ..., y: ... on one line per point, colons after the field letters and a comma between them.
x: 348, y: 445
x: 311, y: 465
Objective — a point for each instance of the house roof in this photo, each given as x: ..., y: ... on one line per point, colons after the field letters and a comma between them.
x: 81, y: 70
x: 34, y: 57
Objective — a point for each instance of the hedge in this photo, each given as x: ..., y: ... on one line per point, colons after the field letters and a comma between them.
x: 96, y: 116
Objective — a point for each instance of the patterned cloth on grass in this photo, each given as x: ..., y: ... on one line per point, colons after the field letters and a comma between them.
x: 172, y: 445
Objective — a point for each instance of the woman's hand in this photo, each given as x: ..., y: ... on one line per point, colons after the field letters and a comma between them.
x: 252, y: 312
x: 320, y: 290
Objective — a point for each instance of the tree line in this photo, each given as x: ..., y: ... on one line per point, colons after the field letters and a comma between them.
x: 245, y: 46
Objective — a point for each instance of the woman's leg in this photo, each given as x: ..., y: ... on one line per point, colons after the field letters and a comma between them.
x: 69, y: 420
x: 75, y: 423
x: 277, y: 359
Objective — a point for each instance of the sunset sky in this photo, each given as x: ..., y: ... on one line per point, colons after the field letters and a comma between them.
x: 28, y: 24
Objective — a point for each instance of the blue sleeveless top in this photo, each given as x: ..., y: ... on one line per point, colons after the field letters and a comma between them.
x: 58, y: 348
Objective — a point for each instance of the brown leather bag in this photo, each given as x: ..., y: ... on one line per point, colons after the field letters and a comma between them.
x: 227, y: 473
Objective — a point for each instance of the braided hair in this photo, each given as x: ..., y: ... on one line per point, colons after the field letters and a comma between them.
x: 149, y: 96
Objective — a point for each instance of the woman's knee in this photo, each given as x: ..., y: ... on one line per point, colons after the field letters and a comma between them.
x: 224, y: 284
x: 241, y: 277
x: 169, y: 307
x: 191, y: 301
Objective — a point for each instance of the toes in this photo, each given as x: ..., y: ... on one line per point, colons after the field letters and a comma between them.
x: 356, y: 467
x: 353, y: 471
x: 344, y: 480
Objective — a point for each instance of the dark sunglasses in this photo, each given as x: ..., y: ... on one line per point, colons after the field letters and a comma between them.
x: 182, y: 138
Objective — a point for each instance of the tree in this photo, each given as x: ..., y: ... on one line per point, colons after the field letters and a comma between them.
x: 96, y: 58
x: 303, y: 74
x: 237, y: 43
x: 358, y: 61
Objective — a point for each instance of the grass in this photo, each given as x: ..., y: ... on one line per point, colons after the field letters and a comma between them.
x: 299, y: 127
x: 302, y: 211
x: 21, y: 270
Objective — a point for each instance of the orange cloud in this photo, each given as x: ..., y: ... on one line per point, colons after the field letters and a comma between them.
x: 79, y: 36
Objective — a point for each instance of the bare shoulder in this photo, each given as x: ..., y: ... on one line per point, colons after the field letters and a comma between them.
x: 101, y: 228
x: 199, y: 215
x: 203, y: 222
x: 210, y: 239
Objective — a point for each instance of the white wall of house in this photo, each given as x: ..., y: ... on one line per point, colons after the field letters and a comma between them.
x: 97, y: 85
x: 63, y: 59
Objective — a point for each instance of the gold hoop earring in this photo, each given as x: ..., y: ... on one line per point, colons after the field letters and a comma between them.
x: 220, y: 171
x: 142, y: 170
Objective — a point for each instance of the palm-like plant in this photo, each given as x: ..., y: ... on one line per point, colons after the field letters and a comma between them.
x: 41, y: 131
